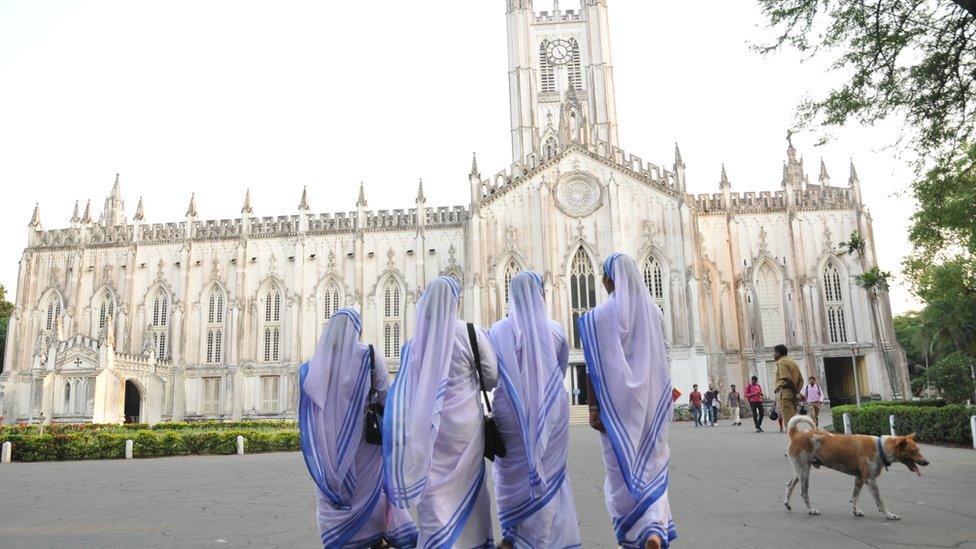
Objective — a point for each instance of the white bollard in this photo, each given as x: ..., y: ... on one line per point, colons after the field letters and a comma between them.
x: 128, y: 449
x: 972, y: 427
x: 240, y: 445
x: 5, y: 453
x: 847, y: 424
x: 891, y: 423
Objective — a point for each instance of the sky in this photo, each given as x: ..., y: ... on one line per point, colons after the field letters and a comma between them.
x: 217, y: 97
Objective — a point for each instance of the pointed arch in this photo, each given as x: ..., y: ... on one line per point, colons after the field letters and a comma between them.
x: 582, y: 289
x: 214, y: 316
x: 272, y: 297
x: 547, y: 72
x: 330, y: 296
x: 768, y: 282
x: 66, y: 402
x: 654, y: 272
x: 392, y: 307
x: 833, y: 278
x: 52, y: 308
x: 105, y: 304
x: 575, y: 66
x: 158, y: 307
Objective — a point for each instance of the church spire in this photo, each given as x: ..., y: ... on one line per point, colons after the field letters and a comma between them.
x: 677, y: 156
x: 361, y: 203
x: 824, y: 177
x: 86, y: 218
x: 855, y: 184
x: 140, y: 215
x: 75, y: 216
x: 35, y: 222
x: 303, y: 205
x: 420, y: 191
x: 246, y: 209
x: 191, y: 210
x: 474, y: 164
x: 724, y: 181
x: 113, y: 212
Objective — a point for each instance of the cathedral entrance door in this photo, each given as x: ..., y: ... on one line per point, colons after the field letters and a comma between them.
x: 579, y: 384
x: 133, y: 402
x: 840, y: 380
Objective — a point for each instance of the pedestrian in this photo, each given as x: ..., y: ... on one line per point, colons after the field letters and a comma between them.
x: 734, y: 401
x: 532, y: 490
x: 695, y: 404
x: 630, y: 383
x: 337, y: 384
x: 755, y: 396
x: 813, y: 396
x: 788, y: 383
x: 433, y: 429
x: 710, y: 405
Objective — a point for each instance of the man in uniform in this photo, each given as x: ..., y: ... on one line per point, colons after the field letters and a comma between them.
x: 789, y: 380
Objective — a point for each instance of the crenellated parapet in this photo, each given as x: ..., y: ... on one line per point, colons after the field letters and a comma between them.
x: 809, y: 199
x: 645, y: 172
x: 558, y: 16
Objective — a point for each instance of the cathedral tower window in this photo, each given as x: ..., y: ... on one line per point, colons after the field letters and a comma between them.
x: 834, y: 303
x: 511, y: 269
x: 159, y: 323
x: 547, y: 71
x: 215, y: 326
x: 654, y: 279
x: 582, y: 287
x: 106, y: 309
x: 770, y: 305
x: 575, y: 68
x: 272, y: 325
x: 211, y: 395
x: 392, y: 319
x: 331, y: 300
x: 52, y: 312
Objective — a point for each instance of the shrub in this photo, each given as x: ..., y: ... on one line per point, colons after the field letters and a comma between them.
x: 952, y: 377
x: 948, y: 423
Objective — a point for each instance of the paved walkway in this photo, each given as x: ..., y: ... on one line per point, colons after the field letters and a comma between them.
x: 726, y: 485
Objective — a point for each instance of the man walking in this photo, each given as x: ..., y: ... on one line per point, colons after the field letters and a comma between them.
x: 754, y: 394
x: 734, y: 402
x: 813, y: 396
x: 695, y: 399
x: 788, y: 383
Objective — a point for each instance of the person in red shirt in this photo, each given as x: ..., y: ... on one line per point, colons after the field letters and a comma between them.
x: 755, y: 396
x: 695, y: 399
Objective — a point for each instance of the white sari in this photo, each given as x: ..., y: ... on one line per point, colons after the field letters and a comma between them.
x: 433, y: 430
x: 535, y: 500
x: 626, y: 358
x: 335, y: 384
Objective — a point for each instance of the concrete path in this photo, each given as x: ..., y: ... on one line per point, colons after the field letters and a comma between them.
x: 726, y: 489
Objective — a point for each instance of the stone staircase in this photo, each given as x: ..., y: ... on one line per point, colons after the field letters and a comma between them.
x: 579, y: 415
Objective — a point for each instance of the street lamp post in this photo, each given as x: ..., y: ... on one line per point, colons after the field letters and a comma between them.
x: 857, y: 383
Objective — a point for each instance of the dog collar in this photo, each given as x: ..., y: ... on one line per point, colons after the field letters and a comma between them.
x: 881, y: 453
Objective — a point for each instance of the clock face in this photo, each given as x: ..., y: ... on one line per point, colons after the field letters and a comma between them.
x: 559, y: 52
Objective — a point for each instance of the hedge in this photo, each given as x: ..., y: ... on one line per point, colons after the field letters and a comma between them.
x: 945, y: 423
x: 108, y: 442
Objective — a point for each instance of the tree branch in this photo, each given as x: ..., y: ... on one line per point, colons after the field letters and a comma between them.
x: 968, y: 5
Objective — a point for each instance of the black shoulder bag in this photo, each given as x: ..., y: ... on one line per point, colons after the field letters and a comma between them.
x: 494, y: 445
x: 373, y: 422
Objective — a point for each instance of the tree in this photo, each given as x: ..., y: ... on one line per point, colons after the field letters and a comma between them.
x: 915, y: 59
x: 953, y: 377
x: 6, y: 309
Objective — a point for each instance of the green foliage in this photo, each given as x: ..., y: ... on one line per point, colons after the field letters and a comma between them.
x: 952, y: 377
x: 6, y: 309
x: 944, y: 424
x: 71, y: 442
x: 907, y: 327
x: 944, y: 226
x: 874, y: 280
x: 855, y: 245
x: 914, y: 59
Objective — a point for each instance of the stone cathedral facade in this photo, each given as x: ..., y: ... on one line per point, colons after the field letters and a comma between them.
x: 117, y: 319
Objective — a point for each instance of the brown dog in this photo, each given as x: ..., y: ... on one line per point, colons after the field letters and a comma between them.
x: 861, y: 456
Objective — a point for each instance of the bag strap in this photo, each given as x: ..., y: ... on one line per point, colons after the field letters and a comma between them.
x: 477, y: 363
x: 372, y: 374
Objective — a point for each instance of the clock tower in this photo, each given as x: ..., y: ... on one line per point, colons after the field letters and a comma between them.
x: 560, y: 77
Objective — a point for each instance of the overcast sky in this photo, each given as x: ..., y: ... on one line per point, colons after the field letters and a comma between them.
x: 216, y: 97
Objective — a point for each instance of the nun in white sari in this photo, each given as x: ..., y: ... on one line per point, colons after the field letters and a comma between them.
x: 627, y: 363
x: 535, y: 501
x: 433, y: 429
x: 353, y: 510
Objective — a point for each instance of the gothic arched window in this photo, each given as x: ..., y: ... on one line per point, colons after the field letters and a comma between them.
x: 215, y: 326
x: 834, y: 304
x: 582, y: 287
x: 106, y: 309
x: 78, y: 388
x: 392, y: 318
x: 547, y: 72
x: 52, y: 312
x: 272, y: 324
x: 575, y: 70
x: 654, y: 279
x: 159, y: 322
x: 511, y: 269
x: 550, y: 148
x: 331, y: 299
x: 66, y: 408
x: 770, y: 305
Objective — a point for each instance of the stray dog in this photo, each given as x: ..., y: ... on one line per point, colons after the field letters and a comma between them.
x: 861, y: 456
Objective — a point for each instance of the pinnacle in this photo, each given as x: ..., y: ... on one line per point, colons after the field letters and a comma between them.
x: 246, y: 209
x: 362, y: 195
x: 303, y: 205
x: 139, y: 211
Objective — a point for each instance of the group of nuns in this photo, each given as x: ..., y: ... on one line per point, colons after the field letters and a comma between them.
x: 431, y: 458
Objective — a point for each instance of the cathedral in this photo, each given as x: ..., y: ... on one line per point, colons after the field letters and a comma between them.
x: 120, y: 320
